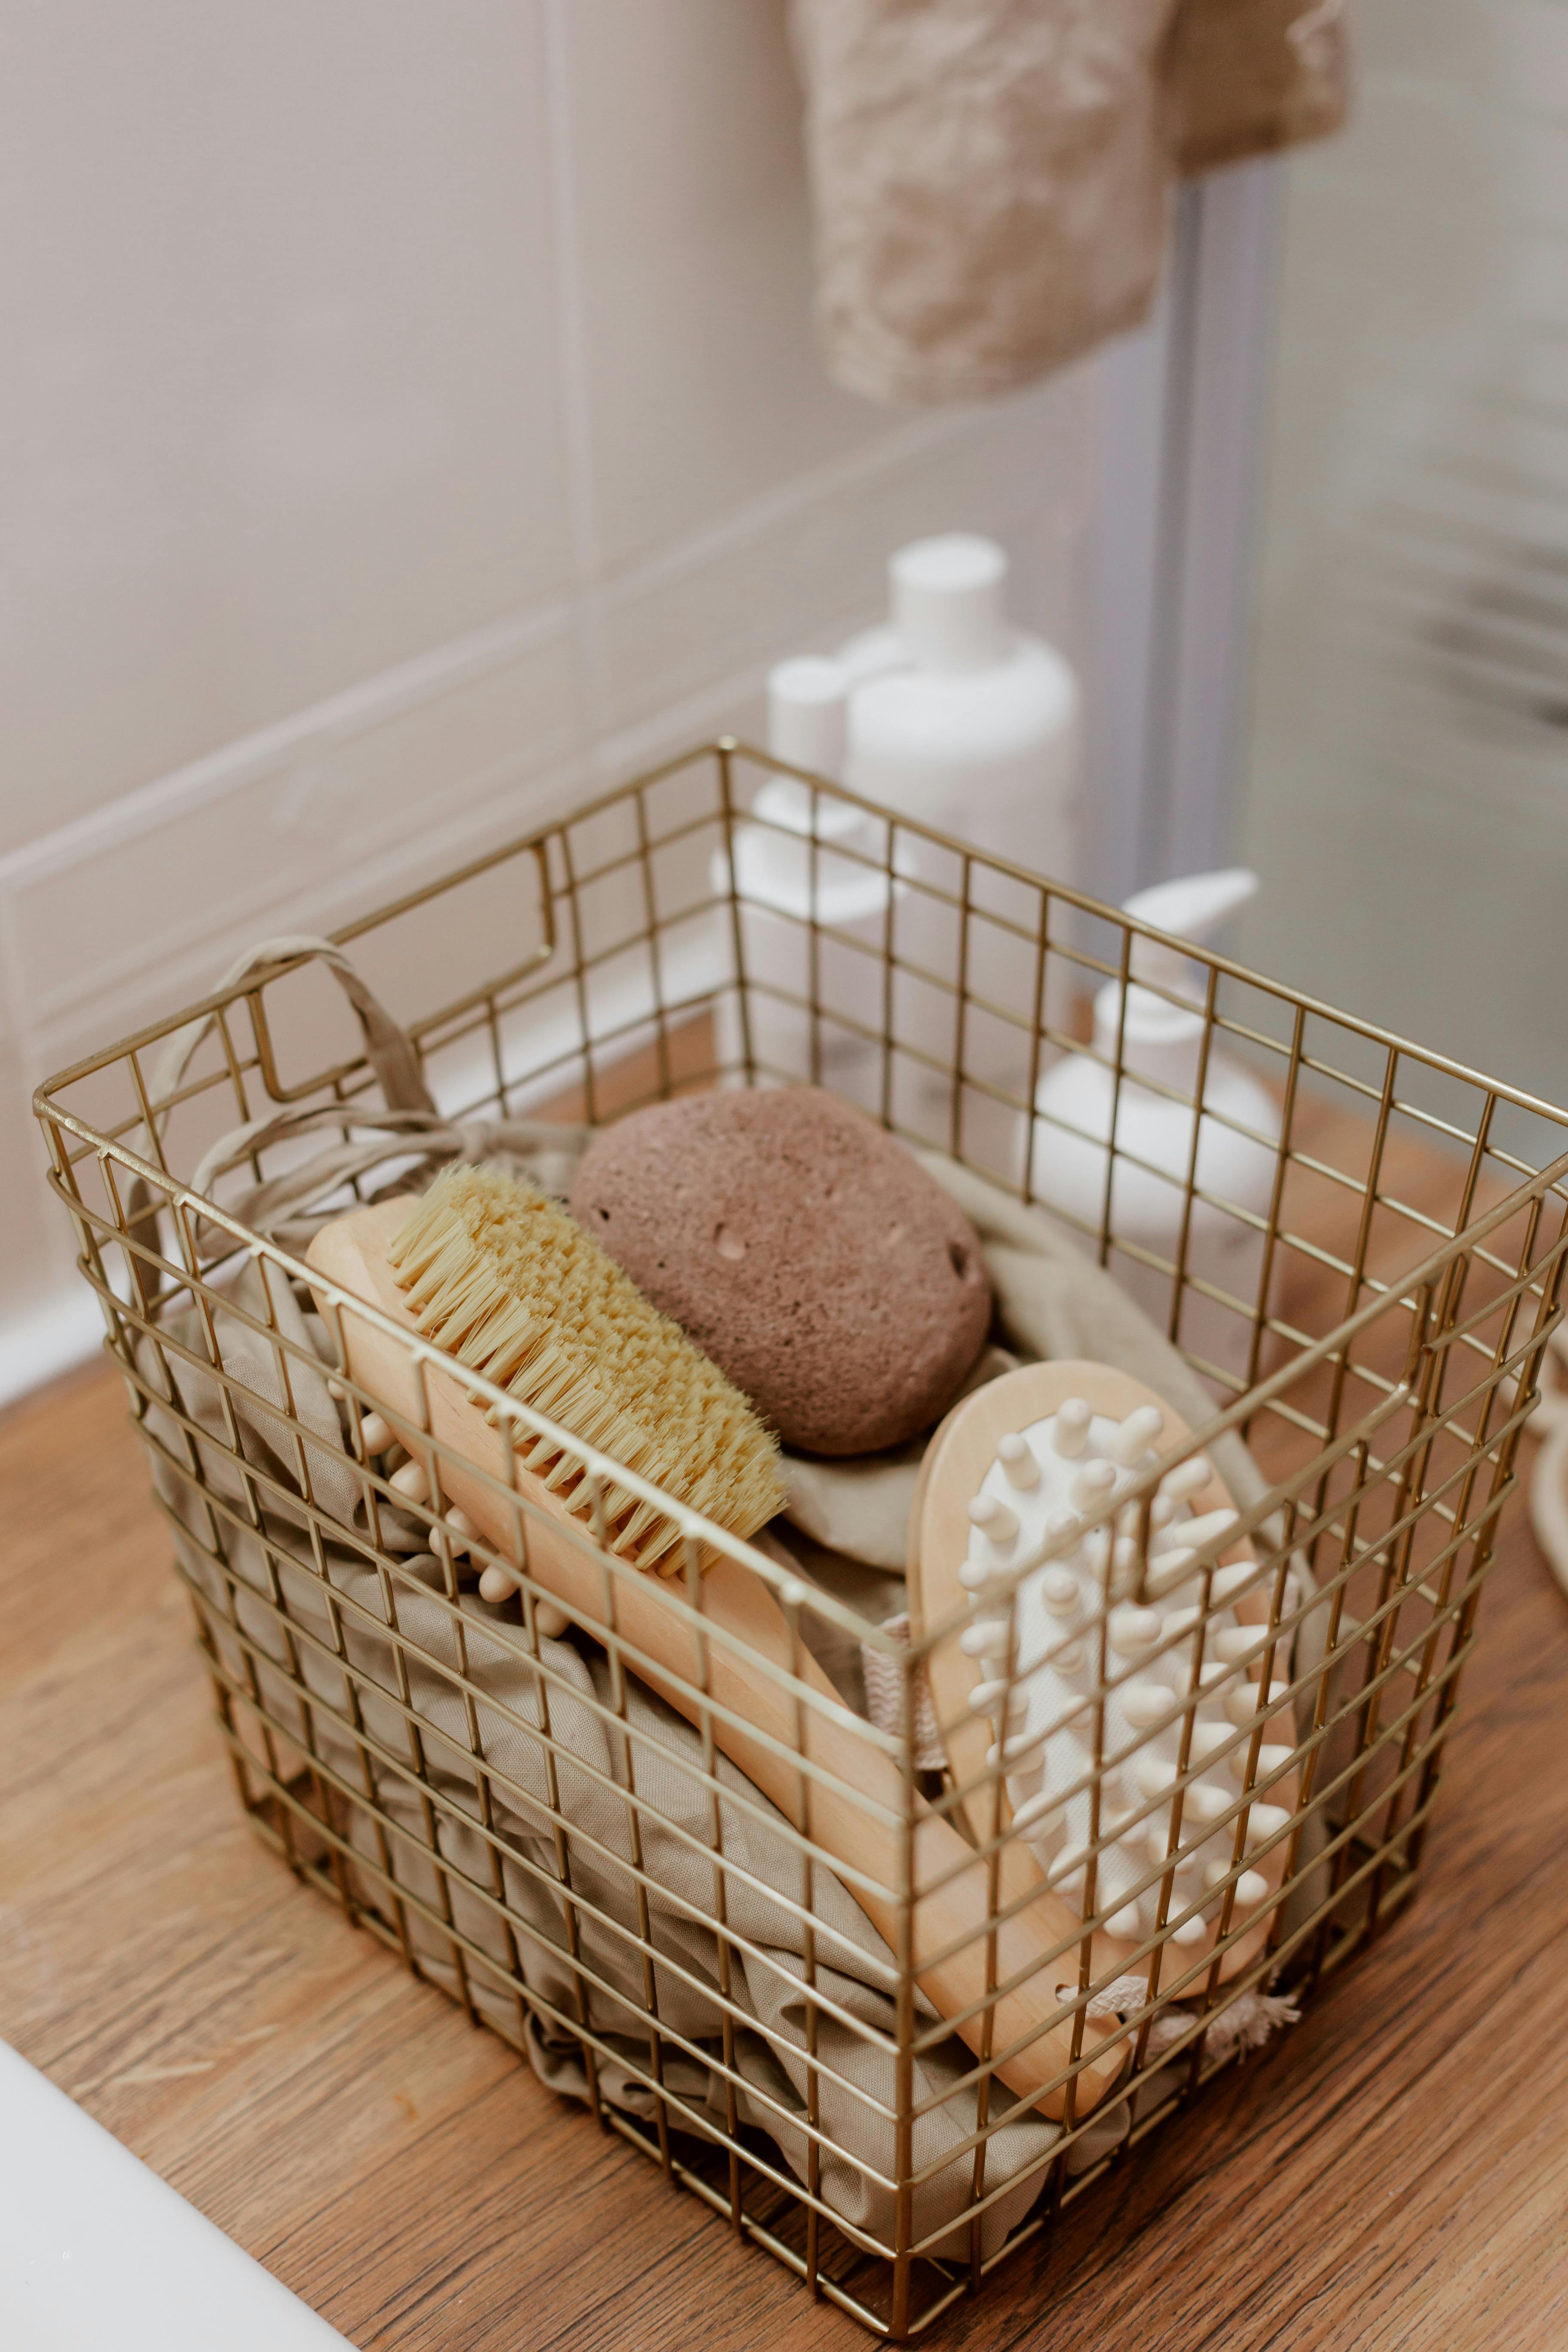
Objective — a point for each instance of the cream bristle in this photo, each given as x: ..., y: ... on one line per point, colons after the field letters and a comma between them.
x: 500, y: 1276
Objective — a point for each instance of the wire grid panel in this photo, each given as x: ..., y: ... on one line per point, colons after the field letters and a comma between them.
x: 653, y: 1899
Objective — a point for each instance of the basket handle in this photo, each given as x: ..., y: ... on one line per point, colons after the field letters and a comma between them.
x: 389, y: 1050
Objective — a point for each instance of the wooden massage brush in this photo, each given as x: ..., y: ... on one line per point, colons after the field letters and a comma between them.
x: 1011, y: 1478
x: 497, y: 1276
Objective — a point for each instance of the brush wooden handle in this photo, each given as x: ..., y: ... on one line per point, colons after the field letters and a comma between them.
x: 351, y: 1253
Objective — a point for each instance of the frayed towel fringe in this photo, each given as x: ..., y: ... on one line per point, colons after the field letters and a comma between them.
x: 1249, y: 2022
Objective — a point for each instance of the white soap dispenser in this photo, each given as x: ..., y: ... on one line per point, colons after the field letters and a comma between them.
x: 811, y: 906
x: 1237, y: 1133
x: 958, y: 718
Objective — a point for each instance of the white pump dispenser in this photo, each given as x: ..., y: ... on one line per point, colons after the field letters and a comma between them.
x: 1160, y: 1043
x: 792, y: 873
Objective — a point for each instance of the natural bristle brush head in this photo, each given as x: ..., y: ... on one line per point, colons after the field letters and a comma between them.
x: 1104, y: 1673
x: 498, y: 1275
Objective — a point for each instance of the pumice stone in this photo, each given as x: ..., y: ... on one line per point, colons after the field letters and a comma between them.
x: 809, y: 1256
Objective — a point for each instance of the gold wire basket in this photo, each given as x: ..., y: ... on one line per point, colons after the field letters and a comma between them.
x: 1380, y: 1366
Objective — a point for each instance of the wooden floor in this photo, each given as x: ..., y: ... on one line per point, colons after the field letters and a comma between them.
x: 1393, y: 2174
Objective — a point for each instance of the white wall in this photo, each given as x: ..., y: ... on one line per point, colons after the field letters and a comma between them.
x: 411, y: 418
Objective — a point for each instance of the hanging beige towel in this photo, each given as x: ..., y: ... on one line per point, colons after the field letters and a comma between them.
x: 991, y: 178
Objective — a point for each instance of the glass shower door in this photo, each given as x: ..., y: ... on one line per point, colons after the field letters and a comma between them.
x: 1406, y: 769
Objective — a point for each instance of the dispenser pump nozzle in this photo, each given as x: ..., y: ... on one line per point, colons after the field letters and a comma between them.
x: 1193, y: 907
x: 1163, y: 1021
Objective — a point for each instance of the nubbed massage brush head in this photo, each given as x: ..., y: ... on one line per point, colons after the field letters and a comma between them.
x: 463, y: 1272
x: 411, y: 1481
x: 1098, y: 1624
x: 1031, y: 1501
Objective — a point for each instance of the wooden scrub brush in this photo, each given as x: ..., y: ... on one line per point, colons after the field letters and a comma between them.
x: 497, y: 1276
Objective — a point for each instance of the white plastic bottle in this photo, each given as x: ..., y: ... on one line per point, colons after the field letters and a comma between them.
x: 961, y: 720
x: 811, y: 908
x: 1237, y: 1134
x: 971, y: 726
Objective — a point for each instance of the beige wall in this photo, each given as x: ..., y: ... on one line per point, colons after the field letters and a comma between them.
x: 1409, y: 756
x: 411, y: 418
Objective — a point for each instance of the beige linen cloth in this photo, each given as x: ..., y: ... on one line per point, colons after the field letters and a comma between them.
x: 317, y: 1614
x: 991, y: 179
